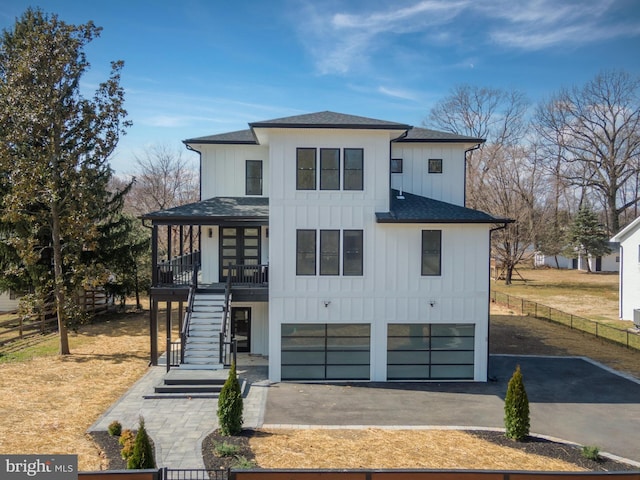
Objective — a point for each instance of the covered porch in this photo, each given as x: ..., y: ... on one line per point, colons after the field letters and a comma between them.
x: 215, y: 249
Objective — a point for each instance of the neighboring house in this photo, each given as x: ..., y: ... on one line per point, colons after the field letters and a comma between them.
x: 606, y: 263
x: 629, y: 239
x: 346, y: 248
x: 9, y: 301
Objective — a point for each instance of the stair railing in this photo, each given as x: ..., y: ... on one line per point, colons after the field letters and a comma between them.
x: 184, y: 331
x: 225, y: 332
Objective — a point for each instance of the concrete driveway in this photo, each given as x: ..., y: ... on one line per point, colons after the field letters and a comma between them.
x: 572, y: 399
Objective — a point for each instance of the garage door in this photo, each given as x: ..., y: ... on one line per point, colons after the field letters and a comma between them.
x: 325, y: 351
x: 430, y: 351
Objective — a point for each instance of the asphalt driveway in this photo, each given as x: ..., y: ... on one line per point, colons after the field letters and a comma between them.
x: 570, y: 398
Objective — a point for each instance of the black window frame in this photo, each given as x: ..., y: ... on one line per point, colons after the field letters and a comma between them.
x: 248, y: 179
x: 359, y: 254
x: 396, y: 165
x: 430, y: 253
x: 300, y: 169
x: 348, y: 171
x: 326, y: 257
x: 328, y: 173
x: 435, y: 165
x: 305, y: 248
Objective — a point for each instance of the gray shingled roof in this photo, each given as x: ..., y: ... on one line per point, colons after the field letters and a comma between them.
x: 417, y: 209
x: 219, y: 208
x: 427, y: 135
x: 240, y: 137
x: 329, y: 120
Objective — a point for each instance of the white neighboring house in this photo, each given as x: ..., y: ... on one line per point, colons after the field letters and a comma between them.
x: 8, y: 301
x: 349, y: 252
x: 629, y: 239
x: 607, y: 263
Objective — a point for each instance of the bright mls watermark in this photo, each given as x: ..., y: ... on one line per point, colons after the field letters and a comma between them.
x: 39, y: 467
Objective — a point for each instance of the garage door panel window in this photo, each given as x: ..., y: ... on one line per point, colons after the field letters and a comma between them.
x: 342, y: 351
x: 430, y: 351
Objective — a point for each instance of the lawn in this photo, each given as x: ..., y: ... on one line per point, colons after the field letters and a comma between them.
x: 590, y: 295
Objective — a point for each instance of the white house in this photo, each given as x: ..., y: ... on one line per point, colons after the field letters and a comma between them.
x: 345, y: 247
x: 607, y: 263
x: 629, y: 239
x: 8, y: 301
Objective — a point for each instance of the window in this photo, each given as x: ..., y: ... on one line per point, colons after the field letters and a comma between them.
x: 431, y: 249
x: 306, y: 252
x: 435, y: 165
x: 253, y: 176
x: 352, y: 261
x: 329, y: 169
x: 306, y: 165
x: 396, y: 165
x: 353, y: 169
x: 329, y: 252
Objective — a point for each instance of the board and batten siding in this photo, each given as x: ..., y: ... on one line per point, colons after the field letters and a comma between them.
x: 223, y: 169
x: 630, y: 274
x: 391, y: 289
x: 415, y: 178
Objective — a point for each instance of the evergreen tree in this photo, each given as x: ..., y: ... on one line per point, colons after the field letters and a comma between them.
x: 54, y: 146
x: 142, y: 455
x: 587, y: 237
x: 230, y: 405
x: 516, y: 408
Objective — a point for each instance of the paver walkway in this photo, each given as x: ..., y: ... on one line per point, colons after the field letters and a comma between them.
x: 179, y: 425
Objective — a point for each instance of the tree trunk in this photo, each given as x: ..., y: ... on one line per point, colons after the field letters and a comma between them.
x: 59, y: 279
x: 508, y: 274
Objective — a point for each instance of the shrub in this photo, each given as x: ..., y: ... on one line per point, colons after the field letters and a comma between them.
x: 243, y: 463
x: 592, y: 453
x: 126, y: 441
x: 142, y: 454
x: 516, y: 408
x: 230, y: 405
x: 115, y: 428
x: 225, y: 449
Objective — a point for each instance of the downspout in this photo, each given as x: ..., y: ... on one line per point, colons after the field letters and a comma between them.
x: 490, y: 378
x: 465, y: 170
x: 404, y: 134
x: 189, y: 147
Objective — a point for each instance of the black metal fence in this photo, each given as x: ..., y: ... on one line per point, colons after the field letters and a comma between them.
x: 626, y: 338
x: 194, y: 474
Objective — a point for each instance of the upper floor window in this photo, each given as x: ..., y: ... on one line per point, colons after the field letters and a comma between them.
x: 329, y: 252
x: 329, y: 169
x: 306, y: 169
x: 253, y: 173
x: 353, y: 169
x: 431, y: 252
x: 396, y: 165
x: 435, y: 165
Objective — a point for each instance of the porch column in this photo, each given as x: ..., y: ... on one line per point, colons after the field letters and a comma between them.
x: 153, y: 331
x: 168, y: 353
x: 154, y: 256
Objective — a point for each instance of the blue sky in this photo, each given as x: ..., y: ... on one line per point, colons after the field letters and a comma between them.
x: 199, y: 67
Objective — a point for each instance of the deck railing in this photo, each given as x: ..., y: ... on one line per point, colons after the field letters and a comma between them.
x: 178, y: 270
x: 247, y: 275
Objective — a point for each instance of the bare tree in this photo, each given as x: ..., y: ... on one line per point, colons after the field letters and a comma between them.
x: 596, y: 129
x: 481, y: 112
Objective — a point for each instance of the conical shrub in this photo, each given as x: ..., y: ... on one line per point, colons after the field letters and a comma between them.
x: 230, y: 405
x: 516, y: 408
x: 142, y: 456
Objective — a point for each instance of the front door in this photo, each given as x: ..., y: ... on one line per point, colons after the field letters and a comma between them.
x: 238, y: 246
x: 241, y: 327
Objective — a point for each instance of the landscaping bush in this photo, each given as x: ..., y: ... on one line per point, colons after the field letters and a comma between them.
x: 126, y: 440
x: 591, y: 453
x: 142, y: 455
x: 516, y: 408
x: 225, y: 449
x: 115, y: 428
x: 230, y: 405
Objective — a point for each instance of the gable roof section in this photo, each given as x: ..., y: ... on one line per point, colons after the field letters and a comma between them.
x: 215, y: 209
x: 626, y: 231
x: 417, y: 209
x: 328, y: 119
x: 422, y: 135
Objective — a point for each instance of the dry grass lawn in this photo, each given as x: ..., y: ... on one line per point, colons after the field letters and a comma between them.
x: 375, y: 448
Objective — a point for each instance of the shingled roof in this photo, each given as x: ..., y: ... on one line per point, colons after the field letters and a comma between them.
x: 427, y: 135
x: 417, y: 209
x: 328, y: 119
x: 240, y: 137
x: 219, y: 208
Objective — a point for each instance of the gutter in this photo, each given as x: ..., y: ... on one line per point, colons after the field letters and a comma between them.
x: 477, y: 147
x: 189, y: 147
x: 403, y: 135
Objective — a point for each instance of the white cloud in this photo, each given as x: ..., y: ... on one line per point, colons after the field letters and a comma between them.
x: 397, y: 93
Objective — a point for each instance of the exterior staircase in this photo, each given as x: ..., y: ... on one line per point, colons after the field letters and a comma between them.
x: 202, y: 349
